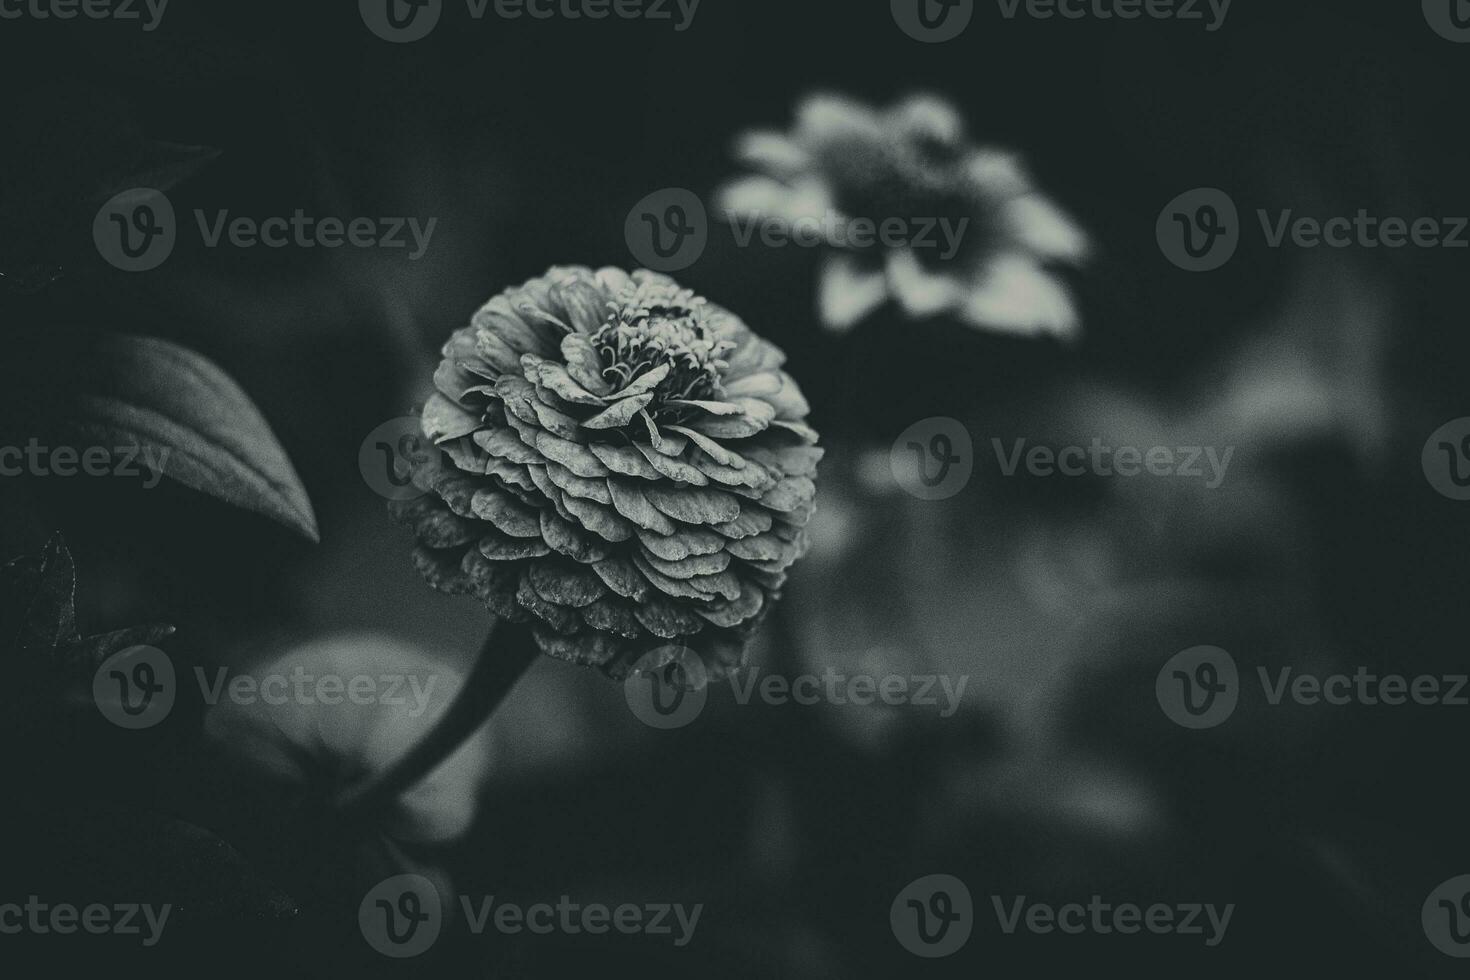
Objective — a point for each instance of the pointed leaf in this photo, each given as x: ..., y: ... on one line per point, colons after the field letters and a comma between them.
x: 146, y: 393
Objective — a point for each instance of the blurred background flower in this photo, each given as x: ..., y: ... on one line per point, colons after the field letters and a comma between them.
x: 981, y: 242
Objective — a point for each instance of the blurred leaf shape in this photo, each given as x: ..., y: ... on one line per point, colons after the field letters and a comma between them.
x: 74, y: 147
x: 122, y: 391
x: 316, y: 749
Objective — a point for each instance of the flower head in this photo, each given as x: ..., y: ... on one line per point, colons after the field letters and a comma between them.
x: 623, y: 463
x: 977, y: 241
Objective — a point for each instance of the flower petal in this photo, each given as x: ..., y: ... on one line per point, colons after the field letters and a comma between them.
x: 851, y: 290
x: 505, y: 444
x: 626, y: 460
x: 685, y: 541
x: 508, y: 514
x: 645, y: 382
x: 584, y: 364
x: 559, y: 380
x: 630, y: 501
x: 600, y: 520
x: 619, y: 575
x: 1018, y: 296
x: 573, y: 455
x: 675, y: 469
x: 731, y: 613
x: 719, y: 453
x: 500, y: 547
x: 579, y: 486
x: 691, y: 566
x: 772, y: 152
x: 694, y: 505
x: 920, y: 292
x: 585, y: 304
x: 559, y: 618
x: 751, y: 520
x: 570, y: 540
x: 566, y: 583
x: 1045, y: 229
x: 620, y: 413
x: 444, y: 420
x: 667, y: 619
x: 825, y: 118
x: 612, y: 616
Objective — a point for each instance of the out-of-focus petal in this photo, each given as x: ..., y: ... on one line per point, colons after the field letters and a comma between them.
x: 825, y: 118
x: 1044, y: 228
x: 850, y: 291
x: 931, y: 118
x: 921, y: 292
x: 997, y: 173
x: 773, y: 153
x: 1015, y: 295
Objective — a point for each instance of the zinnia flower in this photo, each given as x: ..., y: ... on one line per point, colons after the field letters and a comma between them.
x: 624, y: 464
x: 848, y: 162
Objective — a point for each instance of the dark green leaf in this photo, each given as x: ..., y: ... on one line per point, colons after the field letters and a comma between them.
x: 120, y: 391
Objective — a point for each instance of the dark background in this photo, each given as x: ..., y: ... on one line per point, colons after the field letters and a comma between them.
x: 530, y: 141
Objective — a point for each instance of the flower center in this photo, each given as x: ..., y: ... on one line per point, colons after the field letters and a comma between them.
x: 657, y: 323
